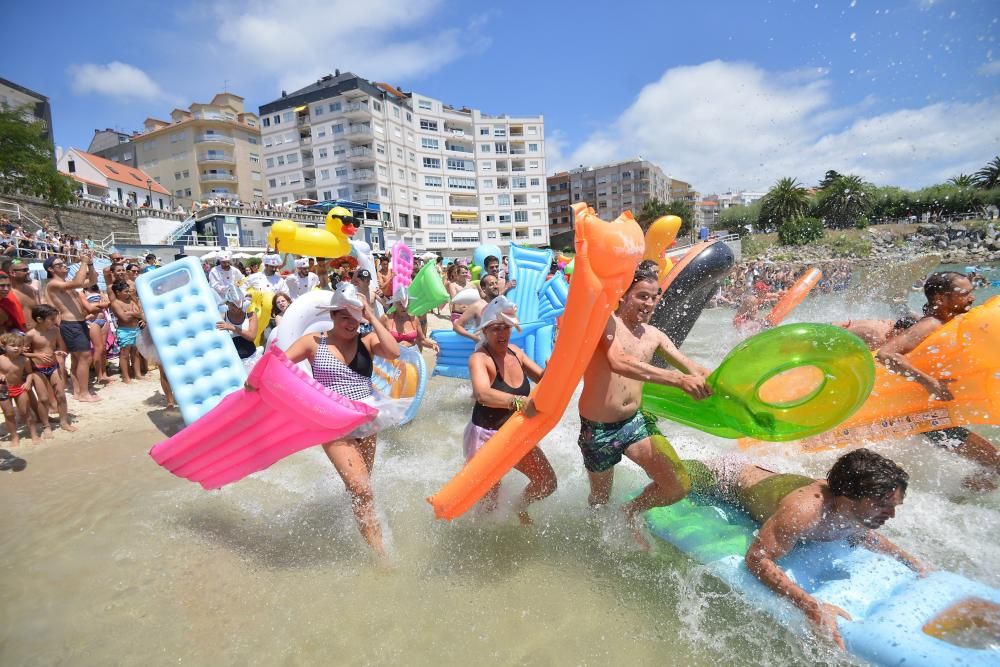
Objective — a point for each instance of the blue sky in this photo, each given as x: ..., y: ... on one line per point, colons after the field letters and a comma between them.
x: 722, y: 94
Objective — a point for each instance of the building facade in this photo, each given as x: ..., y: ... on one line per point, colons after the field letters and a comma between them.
x: 560, y: 212
x: 619, y: 186
x: 440, y: 178
x: 113, y: 145
x: 100, y: 179
x: 209, y: 151
x: 37, y: 107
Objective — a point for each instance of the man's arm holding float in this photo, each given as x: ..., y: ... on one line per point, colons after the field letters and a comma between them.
x: 678, y: 359
x: 775, y: 539
x: 624, y: 364
x: 893, y: 356
x: 873, y: 541
x: 458, y: 326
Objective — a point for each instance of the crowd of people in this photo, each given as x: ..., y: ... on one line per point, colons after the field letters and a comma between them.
x: 18, y: 241
x: 767, y: 277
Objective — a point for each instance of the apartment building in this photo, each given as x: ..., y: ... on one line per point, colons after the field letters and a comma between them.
x: 619, y: 186
x: 560, y: 213
x: 114, y: 145
x: 208, y: 151
x: 435, y: 176
x: 36, y: 106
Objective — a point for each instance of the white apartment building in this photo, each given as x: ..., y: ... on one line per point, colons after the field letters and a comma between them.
x: 436, y: 177
x: 739, y: 198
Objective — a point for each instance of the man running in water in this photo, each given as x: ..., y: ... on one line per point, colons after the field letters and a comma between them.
x: 611, y: 423
x: 64, y: 294
x: 469, y: 319
x: 860, y: 493
x: 949, y: 294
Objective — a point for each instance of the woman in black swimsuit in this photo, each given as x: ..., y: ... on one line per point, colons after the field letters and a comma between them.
x: 500, y: 374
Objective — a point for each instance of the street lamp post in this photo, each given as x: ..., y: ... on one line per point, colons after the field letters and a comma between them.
x: 149, y: 186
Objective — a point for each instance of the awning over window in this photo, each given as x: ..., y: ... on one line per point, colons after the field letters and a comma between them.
x: 464, y: 215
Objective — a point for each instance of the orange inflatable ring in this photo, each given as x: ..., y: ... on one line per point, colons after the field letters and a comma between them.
x: 794, y: 296
x: 606, y: 257
x: 966, y: 349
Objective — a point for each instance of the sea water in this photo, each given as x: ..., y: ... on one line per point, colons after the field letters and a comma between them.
x: 110, y: 560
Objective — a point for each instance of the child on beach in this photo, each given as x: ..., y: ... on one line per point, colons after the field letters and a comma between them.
x: 128, y: 311
x: 48, y: 356
x: 15, y: 390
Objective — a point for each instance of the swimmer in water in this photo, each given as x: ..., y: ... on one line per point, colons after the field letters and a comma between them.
x: 876, y: 333
x: 949, y: 294
x: 860, y: 493
x: 611, y: 423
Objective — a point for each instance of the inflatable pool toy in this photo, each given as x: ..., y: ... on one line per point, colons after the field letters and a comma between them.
x: 250, y: 430
x: 261, y: 302
x: 893, y: 612
x: 793, y: 296
x: 552, y: 298
x: 427, y: 291
x: 661, y: 235
x: 453, y: 359
x: 331, y: 241
x: 752, y: 394
x: 200, y: 361
x: 362, y: 252
x: 99, y: 265
x: 608, y: 254
x: 402, y: 266
x: 689, y: 286
x: 890, y: 282
x: 480, y: 254
x: 466, y: 297
x: 967, y: 350
x: 403, y: 380
x: 530, y: 268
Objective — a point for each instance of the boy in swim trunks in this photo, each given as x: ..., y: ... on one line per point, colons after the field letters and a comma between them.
x: 48, y: 356
x: 130, y: 319
x: 18, y: 380
x: 860, y: 493
x: 611, y: 424
x: 949, y: 294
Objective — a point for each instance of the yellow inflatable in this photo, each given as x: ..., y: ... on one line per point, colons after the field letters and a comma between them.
x: 332, y: 241
x: 965, y: 350
x: 260, y: 305
x: 659, y: 237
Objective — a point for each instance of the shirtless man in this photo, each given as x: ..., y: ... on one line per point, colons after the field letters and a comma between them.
x: 64, y: 295
x: 489, y: 286
x: 27, y: 293
x: 876, y: 333
x: 48, y: 356
x: 17, y: 383
x: 949, y: 294
x: 491, y: 267
x: 611, y: 423
x: 115, y: 273
x: 128, y: 311
x: 860, y: 493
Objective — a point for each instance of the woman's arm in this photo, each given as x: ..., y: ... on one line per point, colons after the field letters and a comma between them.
x: 423, y: 340
x: 380, y: 341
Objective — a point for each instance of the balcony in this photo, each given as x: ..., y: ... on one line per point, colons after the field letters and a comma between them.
x: 214, y: 139
x: 217, y: 177
x: 365, y: 195
x: 457, y: 149
x: 361, y: 155
x: 360, y: 129
x: 363, y: 176
x: 303, y: 121
x: 356, y: 110
x: 307, y: 162
x: 220, y: 158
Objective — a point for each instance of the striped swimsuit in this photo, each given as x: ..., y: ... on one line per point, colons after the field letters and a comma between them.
x: 342, y: 378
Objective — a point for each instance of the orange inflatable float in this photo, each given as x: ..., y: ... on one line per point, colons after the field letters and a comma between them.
x: 967, y: 350
x: 606, y: 257
x: 659, y: 237
x: 794, y: 296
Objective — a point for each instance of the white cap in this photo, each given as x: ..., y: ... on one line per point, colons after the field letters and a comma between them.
x: 500, y: 310
x: 302, y: 263
x: 272, y: 260
x: 225, y: 256
x: 345, y: 297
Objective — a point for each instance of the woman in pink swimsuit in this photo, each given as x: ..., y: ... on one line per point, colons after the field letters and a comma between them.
x: 406, y: 328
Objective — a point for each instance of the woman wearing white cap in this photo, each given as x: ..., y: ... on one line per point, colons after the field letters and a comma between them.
x: 406, y: 328
x: 500, y: 373
x: 341, y: 360
x: 303, y: 280
x: 239, y: 323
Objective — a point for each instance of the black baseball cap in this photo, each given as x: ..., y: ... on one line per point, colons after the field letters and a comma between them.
x: 364, y: 274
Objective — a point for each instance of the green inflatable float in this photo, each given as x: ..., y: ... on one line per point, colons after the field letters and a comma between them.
x: 783, y: 384
x: 427, y: 291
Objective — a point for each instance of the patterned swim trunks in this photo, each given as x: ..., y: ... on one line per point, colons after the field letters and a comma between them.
x: 604, y: 444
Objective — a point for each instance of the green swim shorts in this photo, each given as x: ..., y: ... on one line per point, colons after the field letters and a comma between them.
x: 604, y: 444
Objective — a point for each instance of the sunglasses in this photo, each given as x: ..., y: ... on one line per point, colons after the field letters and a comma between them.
x: 352, y: 221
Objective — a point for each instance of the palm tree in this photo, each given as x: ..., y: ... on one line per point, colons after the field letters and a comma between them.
x: 962, y: 181
x: 786, y: 201
x: 988, y: 177
x: 846, y: 201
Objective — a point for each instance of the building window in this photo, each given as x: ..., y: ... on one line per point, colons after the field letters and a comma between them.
x: 380, y: 149
x: 376, y: 105
x: 321, y: 134
x: 536, y: 232
x: 432, y: 163
x: 518, y: 182
x: 432, y: 181
x: 434, y: 200
x: 491, y: 234
x: 429, y: 143
x: 533, y: 148
x: 505, y: 218
x: 293, y: 158
x: 343, y: 193
x: 462, y: 183
x: 487, y: 182
x: 337, y: 129
x: 501, y: 147
x: 324, y: 174
x: 323, y: 153
x: 341, y: 172
x: 491, y: 218
x: 272, y: 183
x: 535, y: 182
x: 318, y: 111
x: 484, y: 131
x: 395, y: 112
x: 425, y: 104
x: 339, y: 150
x: 429, y: 125
x: 270, y: 164
x: 435, y: 218
x: 532, y: 164
x: 384, y: 191
x: 499, y: 131
x: 460, y: 165
x: 520, y: 216
x: 267, y: 122
x: 503, y: 200
x: 437, y: 237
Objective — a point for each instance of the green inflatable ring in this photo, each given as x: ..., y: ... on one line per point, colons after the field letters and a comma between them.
x: 824, y: 375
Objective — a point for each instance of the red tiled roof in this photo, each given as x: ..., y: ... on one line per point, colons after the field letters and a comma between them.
x: 122, y: 173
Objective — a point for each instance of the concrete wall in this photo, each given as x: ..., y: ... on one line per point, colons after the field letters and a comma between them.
x: 89, y: 220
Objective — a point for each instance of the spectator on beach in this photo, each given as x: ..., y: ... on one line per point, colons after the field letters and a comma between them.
x: 47, y: 352
x: 128, y: 313
x: 63, y: 294
x: 99, y: 320
x: 17, y: 381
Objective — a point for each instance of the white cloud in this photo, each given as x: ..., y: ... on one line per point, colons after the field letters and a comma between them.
x: 300, y: 40
x: 722, y: 125
x: 118, y: 80
x: 991, y: 68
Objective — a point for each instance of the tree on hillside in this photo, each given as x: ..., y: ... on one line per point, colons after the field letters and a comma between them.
x: 988, y: 177
x: 847, y: 201
x: 740, y: 220
x: 786, y: 201
x: 827, y: 179
x: 892, y: 203
x: 962, y: 180
x: 26, y: 160
x: 655, y: 208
